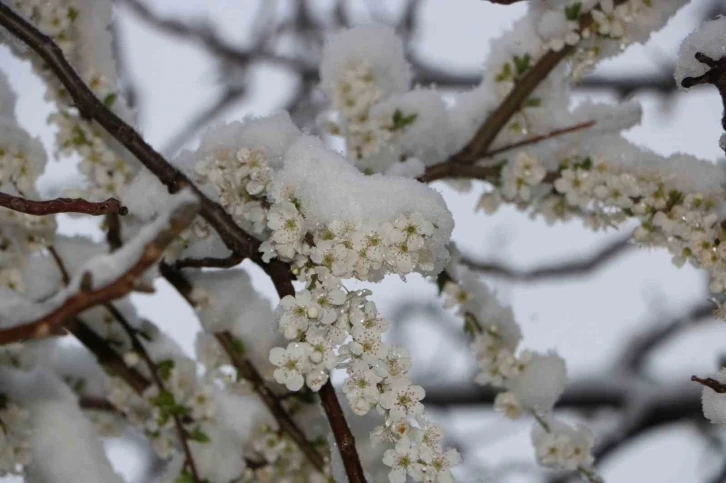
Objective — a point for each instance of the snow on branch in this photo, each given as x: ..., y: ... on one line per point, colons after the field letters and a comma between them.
x: 103, y: 278
x: 62, y: 205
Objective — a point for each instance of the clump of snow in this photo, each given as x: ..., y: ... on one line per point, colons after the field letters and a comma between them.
x: 714, y: 403
x: 330, y: 189
x: 710, y: 40
x: 145, y: 196
x: 377, y: 46
x: 427, y: 136
x: 227, y: 301
x: 103, y: 269
x: 541, y: 383
x: 57, y: 421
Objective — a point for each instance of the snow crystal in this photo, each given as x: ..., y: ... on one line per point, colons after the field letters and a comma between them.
x: 709, y: 39
x: 541, y: 383
x: 379, y: 46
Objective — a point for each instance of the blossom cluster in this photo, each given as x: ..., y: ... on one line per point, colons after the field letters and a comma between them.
x: 81, y: 31
x: 22, y: 161
x: 531, y: 382
x: 15, y: 434
x: 679, y: 213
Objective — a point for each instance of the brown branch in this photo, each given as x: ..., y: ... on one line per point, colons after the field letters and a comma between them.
x: 62, y: 205
x: 247, y: 371
x: 154, y: 371
x: 567, y: 269
x: 715, y: 76
x: 710, y: 382
x: 343, y: 437
x: 88, y: 297
x: 108, y: 357
x: 96, y: 404
x: 90, y: 107
x: 639, y: 347
x: 207, y: 37
x: 113, y: 232
x: 210, y: 262
x: 457, y: 169
x: 539, y: 138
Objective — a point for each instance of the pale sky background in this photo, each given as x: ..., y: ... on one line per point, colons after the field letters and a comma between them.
x: 585, y: 319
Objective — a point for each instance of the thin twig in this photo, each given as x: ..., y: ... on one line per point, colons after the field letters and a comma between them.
x: 247, y: 371
x: 88, y: 297
x: 209, y: 262
x: 154, y: 371
x: 539, y: 138
x: 62, y: 205
x: 113, y: 232
x: 567, y: 269
x: 716, y: 76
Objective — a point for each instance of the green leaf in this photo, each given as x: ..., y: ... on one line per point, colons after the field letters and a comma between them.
x: 400, y: 120
x: 522, y: 64
x: 441, y: 281
x: 199, y: 436
x: 184, y: 477
x: 533, y: 102
x: 573, y: 11
x: 675, y: 197
x: 238, y: 346
x: 505, y: 74
x: 165, y: 367
x: 109, y: 100
x: 72, y: 14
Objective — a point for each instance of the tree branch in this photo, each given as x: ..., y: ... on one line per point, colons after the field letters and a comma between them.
x: 228, y: 262
x: 567, y: 269
x: 716, y: 76
x: 62, y: 205
x: 90, y: 107
x: 343, y: 437
x: 88, y: 297
x: 247, y: 371
x: 154, y: 371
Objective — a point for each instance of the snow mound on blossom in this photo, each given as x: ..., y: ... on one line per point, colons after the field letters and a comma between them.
x: 379, y: 46
x: 330, y: 189
x: 709, y: 39
x: 56, y: 419
x: 272, y: 134
x: 229, y: 302
x: 678, y: 171
x: 541, y: 383
x: 428, y: 136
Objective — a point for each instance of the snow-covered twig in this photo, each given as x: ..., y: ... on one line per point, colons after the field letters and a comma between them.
x: 249, y: 372
x: 87, y: 296
x: 62, y: 205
